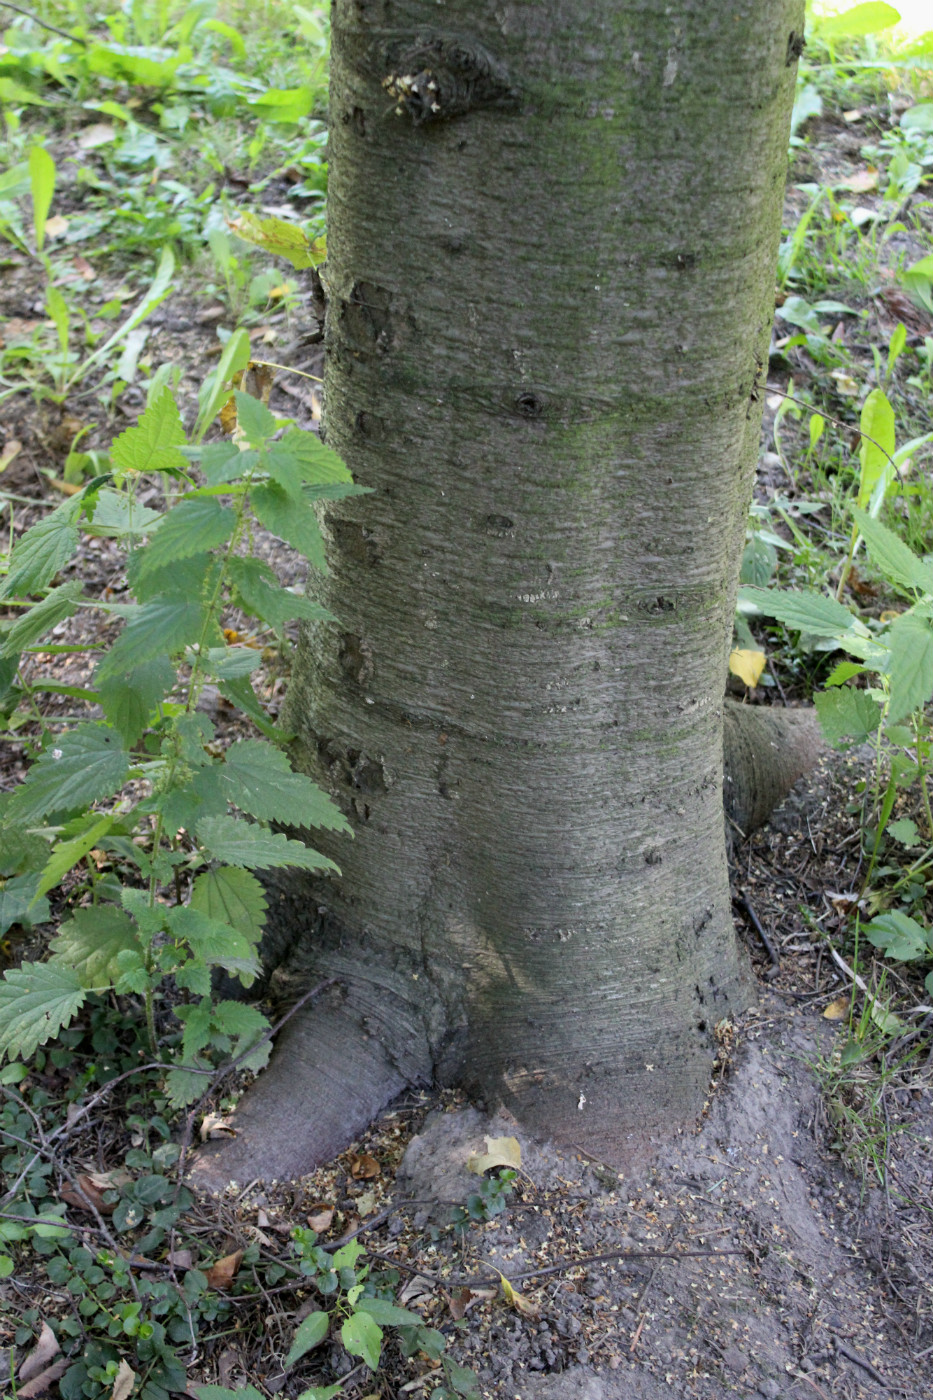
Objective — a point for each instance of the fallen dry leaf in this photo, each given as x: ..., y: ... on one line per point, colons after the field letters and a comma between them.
x: 40, y: 1356
x: 365, y: 1203
x: 56, y: 226
x: 364, y: 1167
x: 516, y: 1299
x: 10, y: 449
x: 222, y: 1274
x: 837, y: 1009
x: 42, y: 1383
x: 98, y: 134
x: 123, y: 1385
x: 321, y: 1217
x: 500, y: 1152
x: 861, y: 182
x: 181, y: 1258
x: 213, y: 1126
x: 747, y: 665
x: 84, y: 269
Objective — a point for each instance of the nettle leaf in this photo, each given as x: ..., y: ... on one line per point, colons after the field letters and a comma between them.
x: 241, y: 694
x: 43, y: 550
x: 318, y: 463
x: 195, y: 797
x: 292, y: 520
x: 75, y: 770
x: 259, y: 780
x: 36, y: 1001
x: 256, y: 848
x: 41, y: 618
x: 20, y: 904
x: 804, y: 611
x: 91, y: 942
x: 194, y: 527
x: 162, y: 627
x: 225, y: 461
x: 128, y: 701
x: 116, y: 514
x: 900, y: 936
x: 21, y: 852
x: 362, y: 1336
x: 847, y: 714
x: 152, y: 446
x: 66, y: 854
x: 211, y: 940
x: 308, y: 1335
x: 191, y: 578
x: 254, y: 419
x: 239, y: 1019
x: 232, y: 896
x: 894, y: 558
x: 910, y: 640
x: 260, y: 594
x: 231, y: 663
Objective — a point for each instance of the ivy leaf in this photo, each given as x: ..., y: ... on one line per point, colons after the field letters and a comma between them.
x: 128, y: 701
x: 308, y: 1335
x: 243, y: 844
x: 805, y: 611
x: 232, y: 896
x: 66, y: 854
x: 91, y: 942
x: 362, y: 1336
x: 163, y: 627
x: 36, y: 1001
x: 75, y: 770
x: 152, y: 445
x: 259, y: 780
x: 43, y: 550
x: 194, y: 527
x: 292, y: 520
x: 910, y: 640
x: 41, y: 618
x: 260, y: 594
x: 19, y: 903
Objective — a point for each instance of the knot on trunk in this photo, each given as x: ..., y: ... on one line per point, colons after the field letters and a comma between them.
x: 441, y: 77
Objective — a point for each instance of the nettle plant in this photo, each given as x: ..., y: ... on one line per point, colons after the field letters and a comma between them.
x: 141, y: 777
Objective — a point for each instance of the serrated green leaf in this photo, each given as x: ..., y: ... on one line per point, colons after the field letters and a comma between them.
x: 844, y: 671
x: 225, y: 461
x: 260, y: 594
x: 254, y: 420
x: 232, y: 896
x: 308, y: 1335
x: 220, y: 1392
x: 894, y: 558
x: 21, y: 853
x: 259, y: 780
x: 804, y: 611
x: 116, y: 514
x: 194, y: 527
x: 362, y: 1336
x: 293, y: 521
x: 92, y: 940
x: 184, y: 578
x: 846, y: 714
x: 241, y: 694
x: 162, y: 627
x: 36, y: 1000
x: 319, y: 463
x: 876, y: 425
x: 900, y: 936
x: 44, y: 549
x: 75, y: 770
x: 910, y: 672
x: 152, y: 446
x: 19, y: 903
x: 255, y: 848
x: 41, y: 618
x: 239, y: 1019
x: 231, y: 663
x: 197, y: 1022
x: 66, y: 854
x: 128, y: 701
x: 197, y: 797
x: 181, y: 1088
x: 215, y: 943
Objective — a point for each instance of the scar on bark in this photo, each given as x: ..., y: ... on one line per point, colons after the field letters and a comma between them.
x: 337, y: 1064
x: 440, y: 77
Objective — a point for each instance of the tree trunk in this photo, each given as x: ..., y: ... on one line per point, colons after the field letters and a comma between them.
x: 552, y: 237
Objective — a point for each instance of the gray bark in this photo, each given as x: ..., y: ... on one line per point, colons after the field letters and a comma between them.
x: 549, y: 306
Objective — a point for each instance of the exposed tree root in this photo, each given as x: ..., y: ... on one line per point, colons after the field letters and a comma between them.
x: 329, y: 1077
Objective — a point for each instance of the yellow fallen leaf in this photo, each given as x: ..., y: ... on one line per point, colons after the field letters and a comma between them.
x: 837, y: 1009
x: 500, y: 1152
x: 8, y: 451
x: 890, y: 614
x: 516, y: 1299
x: 747, y: 665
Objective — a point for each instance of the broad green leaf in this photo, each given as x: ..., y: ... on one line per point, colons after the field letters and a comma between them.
x: 362, y: 1336
x: 900, y: 936
x: 388, y: 1315
x: 215, y: 943
x: 238, y: 1018
x: 152, y: 445
x: 66, y: 854
x: 116, y: 514
x: 308, y: 1335
x: 910, y: 640
x: 328, y: 1392
x: 196, y: 797
x: 194, y: 577
x: 293, y: 521
x: 283, y: 105
x: 878, y: 442
x: 44, y: 549
x: 281, y: 239
x: 846, y: 714
x: 804, y: 611
x: 91, y: 942
x: 844, y: 671
x: 759, y: 561
x: 21, y: 853
x: 224, y: 461
x: 183, y: 1087
x: 319, y: 464
x: 19, y: 903
x: 164, y: 626
x: 76, y: 769
x: 261, y: 595
x: 241, y: 694
x: 259, y: 780
x: 128, y: 701
x: 36, y: 1000
x: 41, y: 618
x: 894, y: 558
x: 194, y: 527
x: 231, y: 663
x: 919, y: 117
x: 870, y: 18
x: 255, y: 848
x: 903, y: 830
x: 42, y: 181
x: 232, y: 896
x: 254, y: 420
x: 197, y: 1023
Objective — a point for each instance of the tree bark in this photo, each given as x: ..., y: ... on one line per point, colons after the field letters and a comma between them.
x: 552, y: 236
